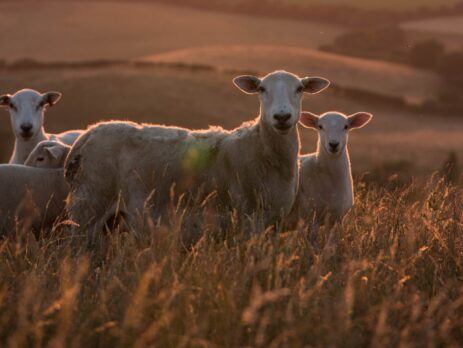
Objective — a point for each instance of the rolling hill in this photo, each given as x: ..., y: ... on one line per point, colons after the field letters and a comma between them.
x: 381, y: 78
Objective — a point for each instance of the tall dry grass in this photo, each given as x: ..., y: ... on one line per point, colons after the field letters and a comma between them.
x: 394, y: 278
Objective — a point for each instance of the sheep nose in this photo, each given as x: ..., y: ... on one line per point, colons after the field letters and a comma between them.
x: 333, y: 146
x: 282, y: 117
x: 26, y: 128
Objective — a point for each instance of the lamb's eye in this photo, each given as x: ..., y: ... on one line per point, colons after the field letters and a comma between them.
x: 320, y: 126
x: 40, y: 159
x: 300, y: 89
x: 12, y: 106
x: 261, y: 89
x: 345, y: 127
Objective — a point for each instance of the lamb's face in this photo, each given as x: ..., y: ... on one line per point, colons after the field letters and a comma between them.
x: 48, y: 154
x: 26, y: 109
x: 280, y: 96
x: 333, y: 128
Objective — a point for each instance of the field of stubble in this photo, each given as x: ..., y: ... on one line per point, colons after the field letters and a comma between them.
x: 393, y: 277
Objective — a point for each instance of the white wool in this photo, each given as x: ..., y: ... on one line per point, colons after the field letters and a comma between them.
x: 249, y: 167
x: 34, y: 197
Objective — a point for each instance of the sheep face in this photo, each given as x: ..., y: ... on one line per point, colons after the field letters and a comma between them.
x: 26, y: 109
x: 333, y: 128
x: 48, y: 154
x: 280, y: 95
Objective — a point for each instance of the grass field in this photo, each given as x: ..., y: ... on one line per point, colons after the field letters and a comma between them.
x: 393, y: 279
x: 390, y: 276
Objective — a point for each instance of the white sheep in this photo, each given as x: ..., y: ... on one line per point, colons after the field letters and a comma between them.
x: 48, y: 154
x: 34, y: 197
x: 252, y: 166
x: 325, y: 177
x: 27, y: 108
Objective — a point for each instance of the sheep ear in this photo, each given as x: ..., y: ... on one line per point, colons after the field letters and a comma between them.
x: 313, y: 85
x: 309, y: 120
x: 5, y: 100
x: 247, y: 83
x: 359, y: 119
x: 54, y: 151
x: 51, y: 98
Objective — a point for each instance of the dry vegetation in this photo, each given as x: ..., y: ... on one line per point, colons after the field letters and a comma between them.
x: 394, y: 278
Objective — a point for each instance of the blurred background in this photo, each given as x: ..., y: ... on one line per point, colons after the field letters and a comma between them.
x: 172, y: 62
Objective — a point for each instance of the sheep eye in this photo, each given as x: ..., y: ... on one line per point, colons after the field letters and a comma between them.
x: 345, y: 127
x: 40, y: 159
x: 261, y: 89
x: 320, y: 126
x: 11, y: 105
x: 300, y: 89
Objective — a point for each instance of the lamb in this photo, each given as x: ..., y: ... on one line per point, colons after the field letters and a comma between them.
x: 35, y: 197
x: 325, y: 184
x: 253, y: 165
x: 48, y: 154
x: 27, y: 108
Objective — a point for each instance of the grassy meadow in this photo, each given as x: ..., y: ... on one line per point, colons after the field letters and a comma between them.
x: 390, y: 275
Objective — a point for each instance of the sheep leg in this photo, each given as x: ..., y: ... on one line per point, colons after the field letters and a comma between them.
x: 137, y: 210
x: 84, y: 212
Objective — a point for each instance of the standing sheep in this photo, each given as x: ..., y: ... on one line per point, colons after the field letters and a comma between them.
x: 27, y: 108
x: 325, y: 182
x: 252, y: 166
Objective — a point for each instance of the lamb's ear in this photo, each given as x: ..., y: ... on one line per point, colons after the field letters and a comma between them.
x: 315, y: 84
x: 359, y: 119
x: 5, y: 100
x: 249, y: 84
x: 309, y: 120
x: 50, y: 98
x: 54, y: 151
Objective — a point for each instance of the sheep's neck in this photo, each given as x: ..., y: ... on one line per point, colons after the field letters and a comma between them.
x: 281, y: 149
x: 333, y: 164
x: 22, y: 147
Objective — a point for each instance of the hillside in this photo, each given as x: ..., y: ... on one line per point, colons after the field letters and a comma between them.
x: 448, y: 30
x: 118, y: 30
x: 196, y: 98
x: 382, y: 78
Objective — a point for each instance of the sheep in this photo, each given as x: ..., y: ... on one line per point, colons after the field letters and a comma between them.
x: 325, y: 177
x: 253, y: 165
x: 35, y: 197
x: 27, y: 108
x: 48, y: 154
